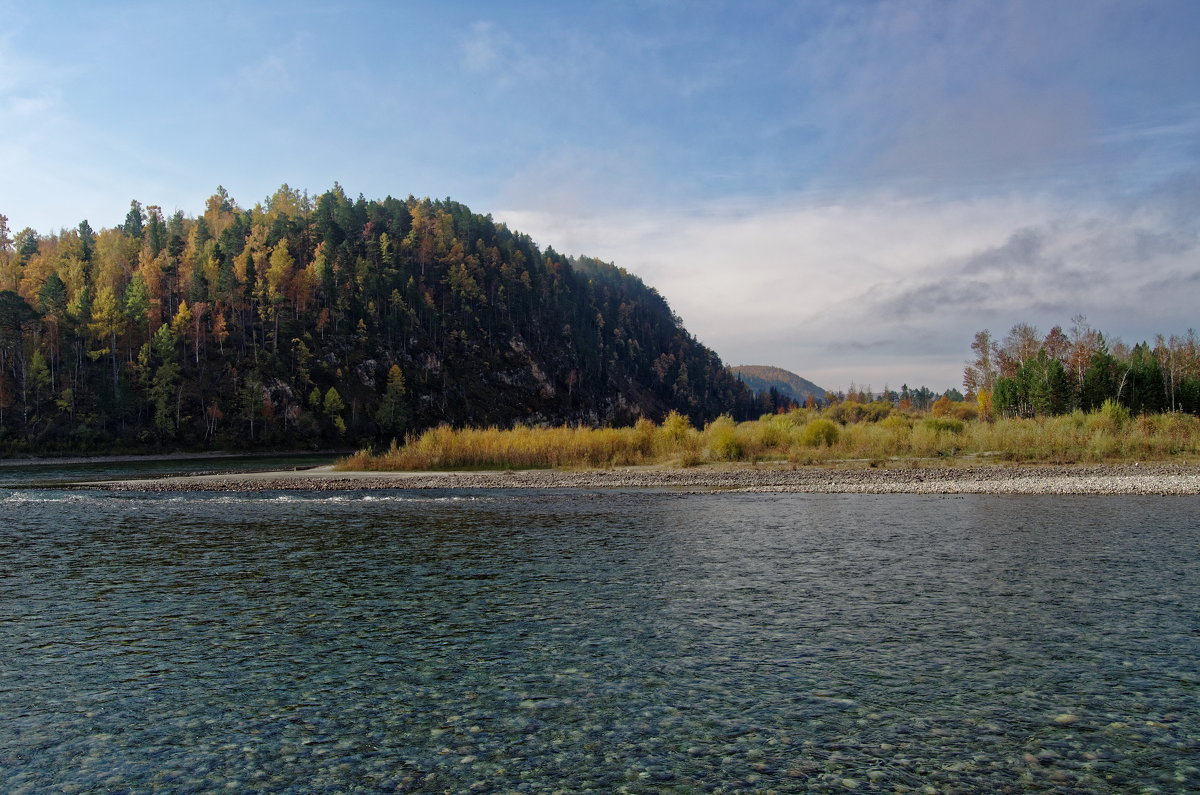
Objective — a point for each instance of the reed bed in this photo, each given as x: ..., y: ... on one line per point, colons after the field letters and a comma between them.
x: 518, y: 448
x: 879, y: 435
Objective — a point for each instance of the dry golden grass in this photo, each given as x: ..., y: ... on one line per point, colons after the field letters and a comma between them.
x: 803, y: 436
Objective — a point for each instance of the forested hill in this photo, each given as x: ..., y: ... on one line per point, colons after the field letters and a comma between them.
x: 304, y: 322
x: 763, y: 378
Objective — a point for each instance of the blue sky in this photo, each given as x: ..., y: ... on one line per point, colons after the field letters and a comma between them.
x: 845, y: 189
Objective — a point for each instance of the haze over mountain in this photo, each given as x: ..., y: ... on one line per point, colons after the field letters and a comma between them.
x: 761, y: 378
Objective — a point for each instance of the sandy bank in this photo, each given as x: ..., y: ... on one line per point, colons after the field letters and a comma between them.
x: 1091, y: 479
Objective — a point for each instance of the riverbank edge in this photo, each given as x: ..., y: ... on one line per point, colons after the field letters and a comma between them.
x: 1150, y: 479
x: 134, y: 458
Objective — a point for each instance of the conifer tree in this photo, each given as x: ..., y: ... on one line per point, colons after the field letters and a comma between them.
x: 392, y: 416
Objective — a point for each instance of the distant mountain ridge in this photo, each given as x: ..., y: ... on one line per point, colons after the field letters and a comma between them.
x: 760, y: 378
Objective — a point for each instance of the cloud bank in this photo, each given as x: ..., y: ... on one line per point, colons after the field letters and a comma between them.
x: 890, y: 289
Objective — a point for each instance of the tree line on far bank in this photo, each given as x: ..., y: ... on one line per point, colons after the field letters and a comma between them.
x: 1026, y: 374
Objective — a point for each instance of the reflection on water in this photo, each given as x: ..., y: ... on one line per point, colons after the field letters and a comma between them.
x: 25, y: 473
x: 637, y: 642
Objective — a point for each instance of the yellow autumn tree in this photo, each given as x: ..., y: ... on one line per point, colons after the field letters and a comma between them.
x: 220, y: 331
x: 10, y: 272
x: 984, y: 401
x: 108, y: 319
x: 182, y: 320
x: 115, y: 259
x: 279, y: 273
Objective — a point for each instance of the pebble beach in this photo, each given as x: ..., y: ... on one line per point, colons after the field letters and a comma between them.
x: 1161, y: 479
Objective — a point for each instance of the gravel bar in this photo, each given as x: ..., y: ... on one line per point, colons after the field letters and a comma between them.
x: 1164, y: 479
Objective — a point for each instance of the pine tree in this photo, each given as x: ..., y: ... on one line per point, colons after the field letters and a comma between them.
x: 392, y: 416
x: 165, y: 381
x: 334, y: 406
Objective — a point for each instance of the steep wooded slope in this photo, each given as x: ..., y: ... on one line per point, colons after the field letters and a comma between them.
x: 329, y: 320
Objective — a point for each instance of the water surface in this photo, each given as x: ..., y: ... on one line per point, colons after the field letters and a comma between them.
x: 640, y: 641
x: 25, y: 473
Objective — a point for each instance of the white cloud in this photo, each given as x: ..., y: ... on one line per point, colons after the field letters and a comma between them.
x: 269, y: 75
x: 26, y: 108
x: 481, y: 48
x: 888, y: 289
x: 491, y: 51
x: 29, y: 91
x: 978, y: 93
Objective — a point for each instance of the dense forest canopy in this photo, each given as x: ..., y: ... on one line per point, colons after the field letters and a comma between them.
x: 313, y: 321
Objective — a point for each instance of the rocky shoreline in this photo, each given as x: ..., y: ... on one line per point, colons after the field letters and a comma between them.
x: 1160, y: 479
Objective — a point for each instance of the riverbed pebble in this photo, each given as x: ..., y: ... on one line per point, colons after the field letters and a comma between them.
x: 850, y: 479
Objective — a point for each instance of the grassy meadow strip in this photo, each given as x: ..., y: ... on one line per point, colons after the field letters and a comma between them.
x: 872, y: 432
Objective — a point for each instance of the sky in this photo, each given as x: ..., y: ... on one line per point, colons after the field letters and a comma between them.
x: 848, y: 190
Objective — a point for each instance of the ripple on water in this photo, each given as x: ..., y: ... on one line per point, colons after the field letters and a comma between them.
x: 630, y: 642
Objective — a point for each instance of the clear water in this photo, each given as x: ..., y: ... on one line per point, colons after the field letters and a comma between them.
x: 23, y: 473
x: 638, y: 642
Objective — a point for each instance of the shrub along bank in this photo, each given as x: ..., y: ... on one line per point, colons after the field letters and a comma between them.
x: 874, y: 432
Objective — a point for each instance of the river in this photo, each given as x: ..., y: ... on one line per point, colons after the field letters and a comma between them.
x: 587, y: 641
